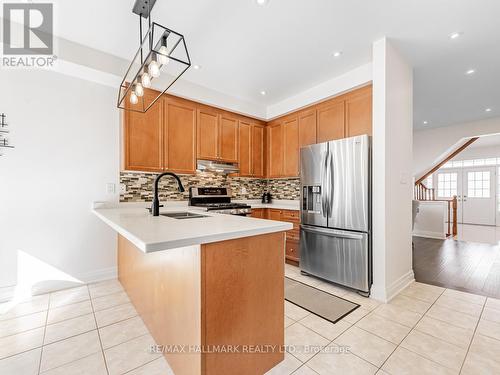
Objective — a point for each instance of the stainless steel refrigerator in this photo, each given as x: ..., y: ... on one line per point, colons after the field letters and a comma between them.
x: 335, y: 231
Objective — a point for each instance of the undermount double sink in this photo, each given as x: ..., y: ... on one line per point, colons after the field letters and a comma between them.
x: 183, y: 215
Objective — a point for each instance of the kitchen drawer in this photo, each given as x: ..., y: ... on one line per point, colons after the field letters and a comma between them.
x: 292, y: 250
x: 294, y: 233
x: 290, y: 216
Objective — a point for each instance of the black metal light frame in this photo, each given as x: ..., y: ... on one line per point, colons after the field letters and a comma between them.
x: 143, y: 9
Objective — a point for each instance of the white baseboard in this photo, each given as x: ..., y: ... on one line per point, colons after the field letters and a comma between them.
x: 7, y: 293
x: 386, y: 294
x: 396, y: 287
x: 428, y: 234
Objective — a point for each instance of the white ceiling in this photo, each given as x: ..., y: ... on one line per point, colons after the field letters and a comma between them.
x: 286, y: 46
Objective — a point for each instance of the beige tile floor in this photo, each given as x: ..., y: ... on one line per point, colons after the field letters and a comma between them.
x: 94, y: 329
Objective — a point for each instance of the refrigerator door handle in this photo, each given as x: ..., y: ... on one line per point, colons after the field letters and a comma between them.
x: 331, y: 191
x: 324, y: 190
x: 332, y: 232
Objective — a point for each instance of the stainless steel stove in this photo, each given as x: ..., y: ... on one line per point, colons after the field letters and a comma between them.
x: 217, y: 200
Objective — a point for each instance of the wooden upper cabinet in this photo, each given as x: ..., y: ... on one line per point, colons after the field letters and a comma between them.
x: 208, y: 134
x: 245, y: 149
x: 358, y: 112
x: 143, y: 137
x: 307, y: 127
x: 291, y: 148
x: 275, y: 134
x: 257, y: 151
x: 179, y: 136
x: 330, y: 121
x: 228, y: 139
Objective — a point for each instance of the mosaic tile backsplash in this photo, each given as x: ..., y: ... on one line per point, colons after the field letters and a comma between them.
x: 139, y: 186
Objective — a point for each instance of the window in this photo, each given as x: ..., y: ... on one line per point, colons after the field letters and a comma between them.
x: 471, y: 163
x: 478, y: 184
x: 447, y: 185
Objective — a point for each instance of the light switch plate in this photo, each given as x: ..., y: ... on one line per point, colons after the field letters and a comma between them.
x: 110, y: 188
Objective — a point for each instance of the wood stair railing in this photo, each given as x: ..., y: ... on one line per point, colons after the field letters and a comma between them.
x: 446, y: 160
x: 423, y: 193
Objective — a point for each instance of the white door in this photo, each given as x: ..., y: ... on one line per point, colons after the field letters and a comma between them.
x: 478, y: 201
x: 448, y: 184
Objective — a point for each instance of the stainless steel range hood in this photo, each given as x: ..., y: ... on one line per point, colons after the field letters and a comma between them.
x: 213, y: 166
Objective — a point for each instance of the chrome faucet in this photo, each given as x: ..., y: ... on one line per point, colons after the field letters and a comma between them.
x: 155, y: 207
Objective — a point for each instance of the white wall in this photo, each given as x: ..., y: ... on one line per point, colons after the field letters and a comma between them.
x: 392, y: 164
x: 479, y: 153
x: 430, y: 221
x: 430, y: 145
x: 348, y: 81
x: 66, y: 133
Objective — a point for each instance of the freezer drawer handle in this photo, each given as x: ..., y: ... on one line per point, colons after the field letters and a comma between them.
x: 332, y: 233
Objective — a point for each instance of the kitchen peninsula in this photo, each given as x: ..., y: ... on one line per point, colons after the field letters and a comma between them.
x: 214, y: 282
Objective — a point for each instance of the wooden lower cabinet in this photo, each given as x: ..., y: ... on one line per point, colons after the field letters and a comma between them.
x: 292, y: 253
x: 206, y: 296
x: 258, y: 213
x: 292, y: 250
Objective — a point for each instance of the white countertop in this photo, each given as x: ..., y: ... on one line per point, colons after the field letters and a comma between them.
x: 150, y: 234
x: 281, y: 204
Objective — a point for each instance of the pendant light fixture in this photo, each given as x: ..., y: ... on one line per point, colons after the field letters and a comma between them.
x: 161, y: 59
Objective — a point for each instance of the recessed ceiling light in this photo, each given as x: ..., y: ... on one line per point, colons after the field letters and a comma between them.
x: 425, y: 122
x: 337, y: 54
x: 261, y: 2
x: 196, y: 66
x: 488, y: 109
x: 263, y: 93
x: 456, y: 35
x: 470, y: 71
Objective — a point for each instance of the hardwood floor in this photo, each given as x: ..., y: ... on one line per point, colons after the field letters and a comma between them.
x: 467, y: 266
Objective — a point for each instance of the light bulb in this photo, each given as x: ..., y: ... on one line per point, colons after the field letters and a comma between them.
x: 146, y: 80
x: 139, y: 90
x: 154, y: 69
x: 163, y: 55
x: 133, y: 98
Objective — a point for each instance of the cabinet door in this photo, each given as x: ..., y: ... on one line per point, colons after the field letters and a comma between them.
x: 276, y: 150
x: 291, y: 148
x: 274, y: 214
x: 331, y: 121
x: 228, y: 139
x: 358, y: 115
x: 143, y: 137
x: 258, y: 213
x: 180, y: 136
x: 245, y: 149
x: 307, y: 128
x: 257, y: 151
x: 208, y: 134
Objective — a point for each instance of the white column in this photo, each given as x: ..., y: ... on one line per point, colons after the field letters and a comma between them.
x: 392, y: 166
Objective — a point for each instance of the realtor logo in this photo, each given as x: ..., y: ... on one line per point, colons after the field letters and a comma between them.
x: 28, y: 29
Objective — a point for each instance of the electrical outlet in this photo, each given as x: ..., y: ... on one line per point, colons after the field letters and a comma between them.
x: 243, y: 190
x: 123, y: 189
